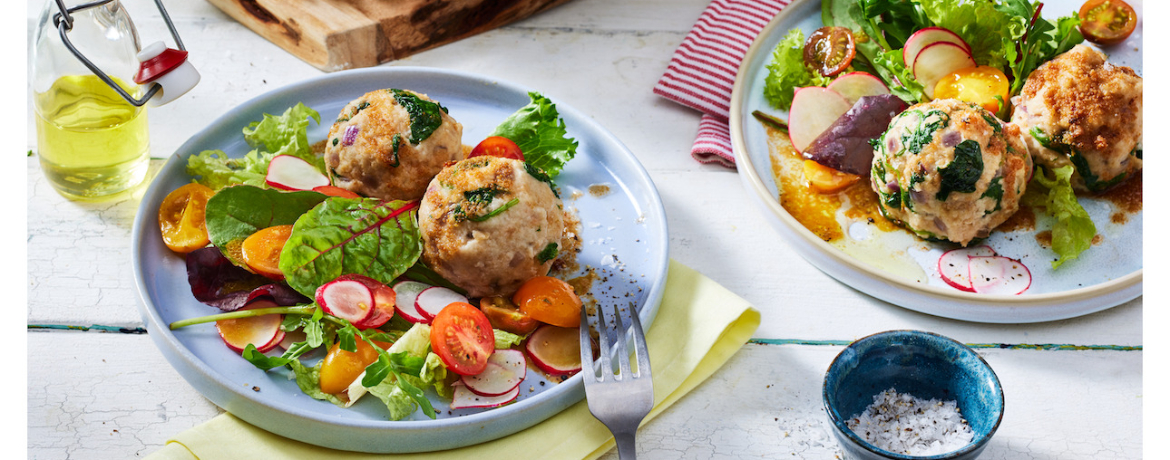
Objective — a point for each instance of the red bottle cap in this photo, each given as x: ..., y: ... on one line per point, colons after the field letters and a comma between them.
x: 159, y: 65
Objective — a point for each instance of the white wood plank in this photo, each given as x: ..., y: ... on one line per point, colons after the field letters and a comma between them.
x: 95, y: 395
x: 766, y: 403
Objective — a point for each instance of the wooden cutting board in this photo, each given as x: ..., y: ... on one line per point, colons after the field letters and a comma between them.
x: 345, y: 34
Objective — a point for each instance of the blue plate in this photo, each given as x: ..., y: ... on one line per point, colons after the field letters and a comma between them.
x: 902, y: 269
x: 624, y: 238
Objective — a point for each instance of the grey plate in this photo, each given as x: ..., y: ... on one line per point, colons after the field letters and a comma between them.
x: 624, y: 237
x: 896, y: 267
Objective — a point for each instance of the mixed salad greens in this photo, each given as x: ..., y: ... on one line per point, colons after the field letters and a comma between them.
x: 272, y: 251
x: 993, y: 45
x: 1005, y: 34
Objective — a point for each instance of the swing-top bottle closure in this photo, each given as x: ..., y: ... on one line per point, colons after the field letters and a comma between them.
x: 166, y: 70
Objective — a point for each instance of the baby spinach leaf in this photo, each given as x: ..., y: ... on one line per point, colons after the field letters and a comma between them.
x: 425, y: 116
x: 994, y: 191
x: 340, y: 236
x: 548, y: 253
x: 235, y: 213
x: 963, y: 172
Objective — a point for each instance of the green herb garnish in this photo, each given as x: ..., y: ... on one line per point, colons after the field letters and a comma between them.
x: 963, y: 172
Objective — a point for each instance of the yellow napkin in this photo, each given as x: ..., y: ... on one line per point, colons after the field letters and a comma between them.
x: 698, y: 327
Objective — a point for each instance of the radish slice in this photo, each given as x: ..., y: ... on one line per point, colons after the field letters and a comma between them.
x: 466, y: 399
x: 346, y: 299
x: 999, y: 275
x: 556, y: 350
x: 814, y: 109
x: 276, y: 341
x: 292, y: 337
x: 262, y: 330
x: 855, y: 85
x: 953, y: 266
x: 432, y: 300
x: 407, y: 292
x: 495, y: 380
x: 287, y: 172
x: 926, y: 37
x: 384, y: 300
x: 513, y: 360
x: 936, y: 61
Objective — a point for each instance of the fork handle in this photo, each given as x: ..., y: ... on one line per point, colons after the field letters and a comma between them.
x: 625, y: 445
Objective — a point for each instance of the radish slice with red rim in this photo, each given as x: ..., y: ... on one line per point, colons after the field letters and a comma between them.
x: 292, y: 337
x: 999, y: 275
x: 467, y: 399
x: 556, y: 350
x: 434, y: 299
x: 406, y: 293
x: 346, y: 299
x: 953, y: 266
x: 384, y: 300
x: 513, y: 360
x: 495, y: 380
x: 261, y: 331
x: 277, y: 340
x: 287, y: 172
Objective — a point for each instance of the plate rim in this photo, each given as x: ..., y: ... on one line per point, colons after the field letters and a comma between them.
x: 797, y: 233
x: 229, y: 397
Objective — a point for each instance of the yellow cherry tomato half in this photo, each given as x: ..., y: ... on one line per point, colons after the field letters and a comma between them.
x: 261, y: 250
x: 824, y: 179
x: 340, y: 368
x: 983, y: 85
x: 506, y: 316
x: 549, y: 300
x: 182, y: 218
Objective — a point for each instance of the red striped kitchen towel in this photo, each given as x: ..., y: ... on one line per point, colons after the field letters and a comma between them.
x: 702, y: 71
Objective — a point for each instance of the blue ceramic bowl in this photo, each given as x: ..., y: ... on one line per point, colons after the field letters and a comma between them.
x: 923, y: 364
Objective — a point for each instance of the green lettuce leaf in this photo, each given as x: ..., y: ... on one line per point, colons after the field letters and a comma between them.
x: 398, y: 402
x: 981, y: 24
x: 1073, y: 231
x: 277, y: 135
x: 340, y: 236
x: 435, y: 372
x: 539, y: 131
x: 899, y: 78
x: 415, y: 342
x: 214, y: 169
x: 787, y: 71
x: 235, y: 213
x: 309, y: 381
x: 505, y: 339
x: 286, y: 134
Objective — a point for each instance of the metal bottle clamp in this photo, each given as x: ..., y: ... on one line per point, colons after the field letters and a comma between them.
x: 64, y: 23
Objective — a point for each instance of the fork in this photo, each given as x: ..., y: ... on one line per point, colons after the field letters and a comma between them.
x: 619, y: 400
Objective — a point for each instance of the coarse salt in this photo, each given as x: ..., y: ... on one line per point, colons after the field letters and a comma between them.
x: 904, y: 424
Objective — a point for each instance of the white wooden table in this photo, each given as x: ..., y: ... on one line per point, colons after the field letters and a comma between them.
x: 103, y: 394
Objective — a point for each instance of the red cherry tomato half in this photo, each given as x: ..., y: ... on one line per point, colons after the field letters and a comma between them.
x: 1107, y: 22
x: 329, y: 190
x: 497, y: 146
x: 463, y: 338
x: 829, y: 50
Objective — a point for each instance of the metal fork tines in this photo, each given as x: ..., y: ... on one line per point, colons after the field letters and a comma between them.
x: 619, y: 398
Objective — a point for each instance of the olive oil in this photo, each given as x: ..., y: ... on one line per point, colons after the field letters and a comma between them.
x: 91, y: 142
